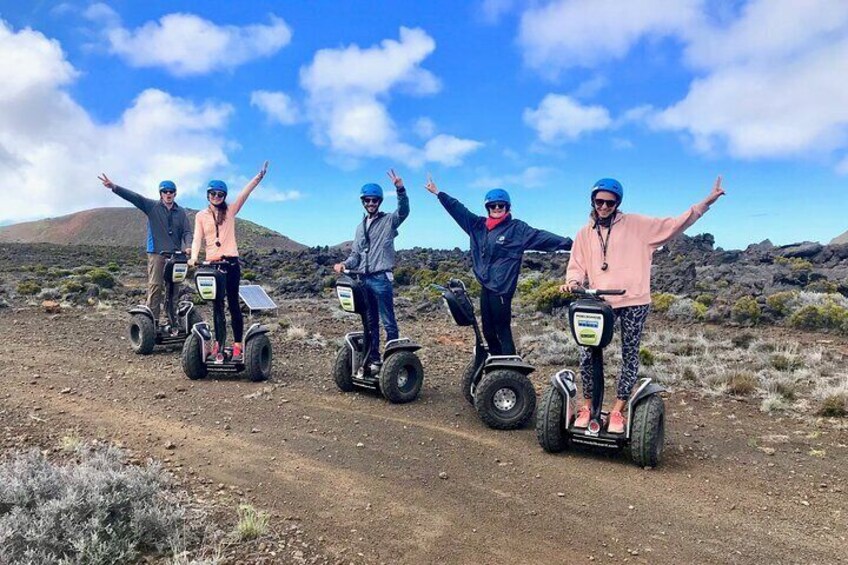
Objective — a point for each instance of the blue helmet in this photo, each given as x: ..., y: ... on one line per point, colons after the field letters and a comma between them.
x: 609, y: 185
x: 371, y: 190
x: 216, y: 185
x: 167, y: 185
x: 497, y: 195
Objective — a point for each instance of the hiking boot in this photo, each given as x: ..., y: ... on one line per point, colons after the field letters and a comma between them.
x: 616, y: 423
x: 582, y: 420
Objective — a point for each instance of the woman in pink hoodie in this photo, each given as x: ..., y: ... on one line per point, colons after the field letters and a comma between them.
x: 614, y: 251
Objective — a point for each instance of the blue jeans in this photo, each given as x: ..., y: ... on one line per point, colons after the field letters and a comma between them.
x: 380, y: 301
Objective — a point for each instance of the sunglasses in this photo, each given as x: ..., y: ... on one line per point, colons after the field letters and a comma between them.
x: 370, y: 200
x: 216, y: 193
x: 600, y: 202
x: 168, y: 191
x: 496, y: 206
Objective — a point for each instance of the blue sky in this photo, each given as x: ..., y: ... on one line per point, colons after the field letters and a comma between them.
x: 540, y: 97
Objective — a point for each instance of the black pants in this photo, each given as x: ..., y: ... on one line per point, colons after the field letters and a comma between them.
x: 233, y: 269
x: 496, y: 312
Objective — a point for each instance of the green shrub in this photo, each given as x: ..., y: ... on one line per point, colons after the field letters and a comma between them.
x: 662, y: 301
x: 834, y: 406
x: 101, y: 277
x: 249, y: 275
x: 779, y: 302
x: 29, y: 287
x: 113, y: 267
x: 252, y: 523
x: 705, y: 299
x: 746, y: 310
x: 72, y: 286
x: 547, y: 296
x: 742, y: 383
x: 646, y: 357
x: 822, y: 285
x: 827, y: 316
x: 783, y: 362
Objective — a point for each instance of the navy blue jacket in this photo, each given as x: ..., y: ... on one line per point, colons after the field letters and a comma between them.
x: 496, y: 255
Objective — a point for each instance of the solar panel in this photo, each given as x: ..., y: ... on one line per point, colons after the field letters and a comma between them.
x: 255, y: 297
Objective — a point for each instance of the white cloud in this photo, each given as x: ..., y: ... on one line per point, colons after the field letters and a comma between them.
x: 347, y: 95
x: 51, y: 150
x: 530, y: 177
x: 186, y: 44
x: 102, y: 14
x: 563, y: 34
x: 773, y: 85
x: 424, y: 127
x: 560, y: 118
x: 272, y: 195
x: 493, y: 10
x: 277, y: 105
x: 449, y: 150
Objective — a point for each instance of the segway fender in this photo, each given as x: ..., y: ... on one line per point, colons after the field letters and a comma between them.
x: 143, y: 310
x: 644, y: 392
x: 201, y: 330
x: 400, y: 344
x: 183, y: 308
x: 508, y: 363
x: 254, y: 331
x: 564, y: 383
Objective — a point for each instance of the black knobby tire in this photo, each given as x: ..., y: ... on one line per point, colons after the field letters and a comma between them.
x: 401, y: 377
x: 648, y: 431
x: 511, y: 384
x: 468, y: 380
x: 550, y: 421
x: 142, y: 334
x: 343, y: 370
x: 194, y: 365
x: 258, y: 357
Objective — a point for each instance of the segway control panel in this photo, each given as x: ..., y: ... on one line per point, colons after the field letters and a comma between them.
x: 351, y: 294
x: 591, y: 322
x: 209, y: 281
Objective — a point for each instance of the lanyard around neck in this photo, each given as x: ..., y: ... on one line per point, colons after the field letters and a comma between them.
x: 604, y: 242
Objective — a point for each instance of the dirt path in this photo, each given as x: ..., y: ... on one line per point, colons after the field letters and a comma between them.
x: 363, y: 476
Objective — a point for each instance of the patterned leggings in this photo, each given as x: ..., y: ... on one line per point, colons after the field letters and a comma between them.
x: 632, y: 319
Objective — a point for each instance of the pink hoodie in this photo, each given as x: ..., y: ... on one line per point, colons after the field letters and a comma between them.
x: 630, y: 251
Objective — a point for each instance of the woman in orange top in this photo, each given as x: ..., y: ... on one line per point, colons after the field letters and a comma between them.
x: 216, y: 226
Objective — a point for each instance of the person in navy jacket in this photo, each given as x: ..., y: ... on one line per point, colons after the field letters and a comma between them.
x: 498, y: 242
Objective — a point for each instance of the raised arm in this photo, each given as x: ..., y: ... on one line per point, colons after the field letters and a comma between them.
x: 455, y: 208
x: 399, y: 215
x: 248, y: 188
x: 541, y: 240
x: 660, y: 230
x: 137, y: 200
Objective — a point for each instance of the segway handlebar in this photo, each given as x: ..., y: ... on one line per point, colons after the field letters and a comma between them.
x: 169, y: 254
x: 452, y: 283
x: 579, y: 291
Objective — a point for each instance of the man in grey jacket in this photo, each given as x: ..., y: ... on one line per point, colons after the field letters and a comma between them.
x: 168, y: 229
x: 373, y: 256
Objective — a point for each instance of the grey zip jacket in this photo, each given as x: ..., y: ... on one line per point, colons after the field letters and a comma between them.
x: 374, y: 245
x: 167, y: 230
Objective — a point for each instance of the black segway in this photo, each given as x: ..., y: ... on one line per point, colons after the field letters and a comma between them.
x: 197, y: 358
x: 591, y: 320
x: 496, y: 385
x: 145, y: 332
x: 400, y: 376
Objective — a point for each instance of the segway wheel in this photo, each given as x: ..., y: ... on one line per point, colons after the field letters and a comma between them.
x: 401, y: 377
x: 550, y: 424
x: 142, y: 334
x: 467, y: 381
x: 194, y: 365
x: 648, y: 432
x: 505, y: 400
x: 343, y: 370
x: 257, y: 358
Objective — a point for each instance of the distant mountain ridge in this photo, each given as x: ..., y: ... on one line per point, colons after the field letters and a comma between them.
x: 126, y: 227
x: 839, y: 239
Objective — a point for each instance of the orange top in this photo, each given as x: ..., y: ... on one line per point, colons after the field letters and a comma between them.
x: 205, y: 229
